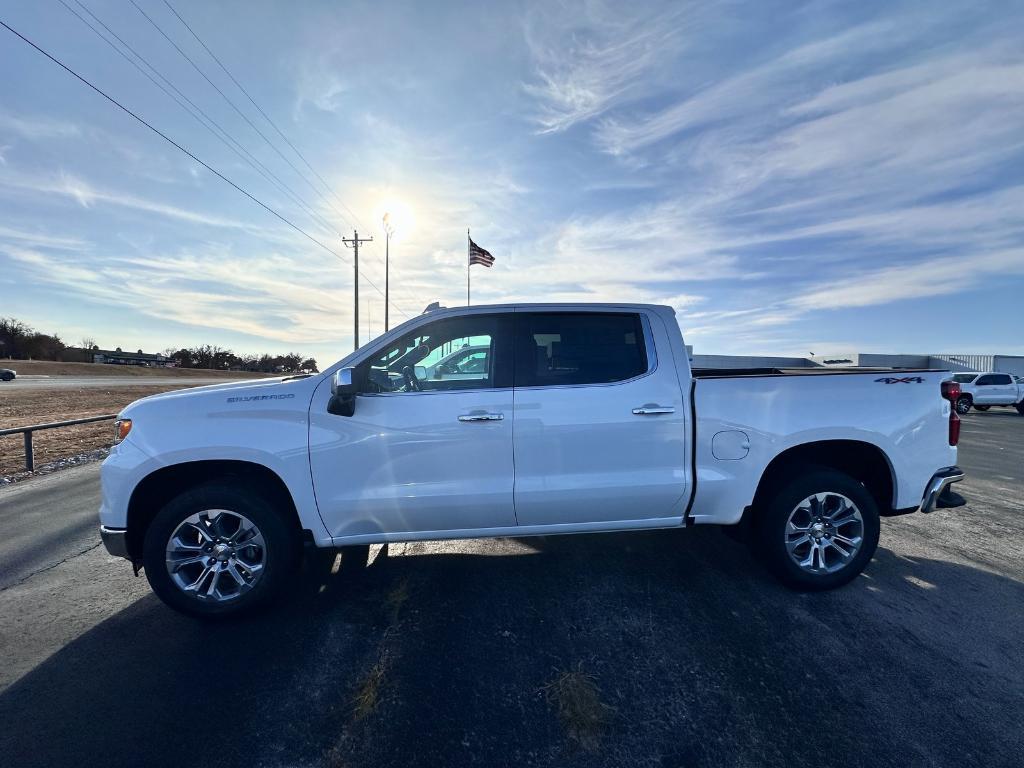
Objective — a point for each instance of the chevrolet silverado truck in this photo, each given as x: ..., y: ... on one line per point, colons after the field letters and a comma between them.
x: 583, y: 418
x: 983, y: 390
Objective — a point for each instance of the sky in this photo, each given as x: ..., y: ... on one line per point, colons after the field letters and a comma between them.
x: 791, y: 177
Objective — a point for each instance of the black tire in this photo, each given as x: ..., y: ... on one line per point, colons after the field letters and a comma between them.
x: 963, y: 404
x: 1020, y: 408
x: 773, y: 517
x: 277, y: 550
x: 982, y: 408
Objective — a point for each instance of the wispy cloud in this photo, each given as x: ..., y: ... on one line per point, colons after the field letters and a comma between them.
x: 752, y: 95
x: 88, y: 195
x: 209, y: 288
x: 42, y: 239
x: 932, y: 277
x: 37, y: 127
x: 591, y: 57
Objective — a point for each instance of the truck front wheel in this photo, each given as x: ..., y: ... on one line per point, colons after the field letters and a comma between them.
x: 217, y: 550
x: 818, y: 531
x: 963, y: 405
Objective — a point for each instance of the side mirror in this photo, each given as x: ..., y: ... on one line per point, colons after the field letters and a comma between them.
x: 343, y: 393
x: 343, y: 382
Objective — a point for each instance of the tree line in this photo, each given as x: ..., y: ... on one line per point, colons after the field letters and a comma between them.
x: 22, y: 342
x: 215, y: 358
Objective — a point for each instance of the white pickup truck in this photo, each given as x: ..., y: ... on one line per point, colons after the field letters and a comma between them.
x: 983, y: 390
x: 583, y: 418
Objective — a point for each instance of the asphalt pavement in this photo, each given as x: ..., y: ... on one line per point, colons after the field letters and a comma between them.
x: 76, y: 382
x: 682, y: 651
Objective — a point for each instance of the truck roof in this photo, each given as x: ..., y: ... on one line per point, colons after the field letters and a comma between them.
x: 555, y: 305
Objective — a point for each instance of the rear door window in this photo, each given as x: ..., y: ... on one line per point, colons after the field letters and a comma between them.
x: 993, y: 378
x: 573, y: 348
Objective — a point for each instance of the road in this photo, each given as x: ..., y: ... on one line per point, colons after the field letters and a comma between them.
x: 683, y: 651
x: 76, y: 382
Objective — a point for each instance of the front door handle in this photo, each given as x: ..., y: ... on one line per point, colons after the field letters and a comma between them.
x: 650, y: 409
x: 481, y: 416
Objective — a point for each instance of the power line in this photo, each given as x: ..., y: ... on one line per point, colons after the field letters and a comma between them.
x: 266, y: 117
x: 192, y: 109
x: 178, y: 146
x: 326, y: 187
x: 232, y: 104
x: 241, y: 114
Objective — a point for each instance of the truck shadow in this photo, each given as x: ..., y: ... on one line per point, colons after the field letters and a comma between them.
x: 680, y: 632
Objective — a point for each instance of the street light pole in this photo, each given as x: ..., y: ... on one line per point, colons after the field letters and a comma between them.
x: 388, y: 230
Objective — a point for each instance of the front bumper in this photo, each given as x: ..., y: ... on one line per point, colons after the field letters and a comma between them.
x: 940, y: 481
x: 116, y: 541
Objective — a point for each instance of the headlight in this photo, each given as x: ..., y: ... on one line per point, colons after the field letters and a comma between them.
x: 121, y: 429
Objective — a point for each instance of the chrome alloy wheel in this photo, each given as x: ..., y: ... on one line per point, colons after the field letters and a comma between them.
x: 824, y: 532
x: 216, y: 555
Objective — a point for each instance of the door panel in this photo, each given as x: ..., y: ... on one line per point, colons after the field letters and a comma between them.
x: 581, y: 453
x: 420, y: 454
x: 994, y: 389
x: 405, y: 462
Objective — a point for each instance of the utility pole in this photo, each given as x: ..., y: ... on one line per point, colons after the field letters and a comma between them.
x: 353, y: 243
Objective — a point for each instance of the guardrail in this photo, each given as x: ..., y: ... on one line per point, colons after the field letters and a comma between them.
x: 30, y: 462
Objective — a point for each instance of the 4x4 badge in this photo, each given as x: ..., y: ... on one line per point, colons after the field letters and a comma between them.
x: 901, y: 380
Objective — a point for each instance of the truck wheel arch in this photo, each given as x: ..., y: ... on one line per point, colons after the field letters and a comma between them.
x: 160, y: 486
x: 863, y: 461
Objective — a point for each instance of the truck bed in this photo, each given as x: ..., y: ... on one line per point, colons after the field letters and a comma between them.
x: 728, y: 373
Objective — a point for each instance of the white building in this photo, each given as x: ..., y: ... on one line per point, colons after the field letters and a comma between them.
x: 1002, y: 363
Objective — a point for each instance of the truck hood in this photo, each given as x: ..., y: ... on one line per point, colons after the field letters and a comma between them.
x: 276, y: 390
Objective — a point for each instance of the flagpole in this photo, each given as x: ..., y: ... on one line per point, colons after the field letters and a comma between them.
x: 467, y: 266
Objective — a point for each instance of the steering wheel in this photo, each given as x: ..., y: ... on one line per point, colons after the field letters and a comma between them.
x: 411, y: 382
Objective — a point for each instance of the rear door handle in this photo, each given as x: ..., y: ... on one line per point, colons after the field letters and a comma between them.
x: 651, y: 409
x: 481, y: 416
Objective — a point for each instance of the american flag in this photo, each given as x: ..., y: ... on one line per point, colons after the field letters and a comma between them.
x: 478, y: 255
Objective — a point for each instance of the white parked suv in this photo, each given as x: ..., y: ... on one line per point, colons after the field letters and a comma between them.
x: 983, y: 390
x: 583, y: 418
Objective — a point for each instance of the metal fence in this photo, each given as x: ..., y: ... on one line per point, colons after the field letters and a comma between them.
x: 30, y: 462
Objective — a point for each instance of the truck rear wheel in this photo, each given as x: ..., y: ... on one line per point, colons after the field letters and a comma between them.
x: 1020, y: 407
x: 818, y: 531
x: 218, y: 550
x: 963, y: 404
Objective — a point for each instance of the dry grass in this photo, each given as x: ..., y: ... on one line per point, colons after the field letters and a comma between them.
x: 577, y: 699
x: 50, y: 368
x: 396, y: 599
x: 369, y: 692
x: 22, y: 407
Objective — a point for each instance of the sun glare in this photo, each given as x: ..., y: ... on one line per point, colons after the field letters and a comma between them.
x: 399, y: 216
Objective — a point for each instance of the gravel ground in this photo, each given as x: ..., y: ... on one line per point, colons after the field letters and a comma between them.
x: 656, y: 649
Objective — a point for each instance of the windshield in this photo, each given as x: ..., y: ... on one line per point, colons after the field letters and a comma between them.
x: 965, y: 378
